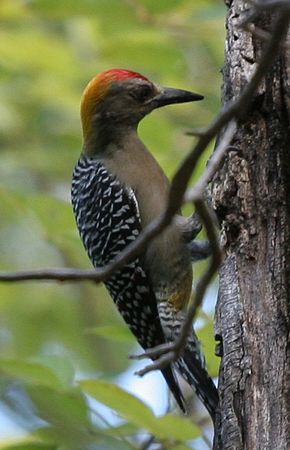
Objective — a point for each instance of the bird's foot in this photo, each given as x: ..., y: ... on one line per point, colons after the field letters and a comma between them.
x: 199, y: 250
x: 155, y: 352
x: 162, y: 355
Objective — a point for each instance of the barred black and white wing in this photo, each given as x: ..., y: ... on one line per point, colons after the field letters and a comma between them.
x: 108, y: 220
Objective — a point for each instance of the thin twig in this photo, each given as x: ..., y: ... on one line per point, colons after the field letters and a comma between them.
x: 217, y: 157
x: 109, y: 426
x: 238, y: 107
x: 206, y: 441
x: 234, y: 110
x: 147, y: 443
x: 208, y: 219
x: 169, y: 352
x: 197, y: 132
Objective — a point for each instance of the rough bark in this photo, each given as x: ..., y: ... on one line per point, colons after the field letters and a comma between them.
x: 251, y: 195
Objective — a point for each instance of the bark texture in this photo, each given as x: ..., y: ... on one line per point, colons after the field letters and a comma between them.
x: 251, y: 195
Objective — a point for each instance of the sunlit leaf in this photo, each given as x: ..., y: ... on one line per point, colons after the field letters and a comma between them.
x: 118, y: 333
x: 60, y: 406
x: 67, y: 414
x: 128, y: 406
x: 126, y: 429
x: 30, y: 446
x: 29, y: 372
x: 135, y: 411
x: 179, y: 428
x: 61, y: 366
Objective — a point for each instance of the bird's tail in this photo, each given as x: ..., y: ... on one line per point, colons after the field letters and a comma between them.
x: 174, y: 387
x: 192, y: 368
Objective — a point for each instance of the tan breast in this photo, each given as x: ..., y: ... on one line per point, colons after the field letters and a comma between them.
x: 135, y: 166
x: 166, y: 258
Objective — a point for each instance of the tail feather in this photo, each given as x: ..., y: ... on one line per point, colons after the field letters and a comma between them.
x: 174, y: 387
x: 195, y: 373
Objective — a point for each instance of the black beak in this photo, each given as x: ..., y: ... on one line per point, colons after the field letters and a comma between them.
x: 170, y: 96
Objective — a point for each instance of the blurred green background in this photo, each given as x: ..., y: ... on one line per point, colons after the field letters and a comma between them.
x: 53, y: 334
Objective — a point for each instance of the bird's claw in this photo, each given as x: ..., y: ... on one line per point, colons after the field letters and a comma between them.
x: 162, y: 355
x: 158, y: 364
x: 155, y: 352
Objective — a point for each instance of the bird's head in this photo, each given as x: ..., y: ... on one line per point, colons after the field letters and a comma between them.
x: 121, y: 97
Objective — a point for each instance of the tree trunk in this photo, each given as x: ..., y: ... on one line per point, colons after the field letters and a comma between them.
x: 251, y: 195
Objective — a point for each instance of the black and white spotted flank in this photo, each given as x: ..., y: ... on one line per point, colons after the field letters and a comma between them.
x: 108, y: 220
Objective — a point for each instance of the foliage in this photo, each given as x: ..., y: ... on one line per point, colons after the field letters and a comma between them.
x: 54, y: 335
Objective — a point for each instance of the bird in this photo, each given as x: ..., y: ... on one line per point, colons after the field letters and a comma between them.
x: 118, y: 188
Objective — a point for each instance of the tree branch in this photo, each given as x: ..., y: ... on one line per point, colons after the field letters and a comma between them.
x: 180, y: 180
x: 167, y: 353
x: 178, y: 195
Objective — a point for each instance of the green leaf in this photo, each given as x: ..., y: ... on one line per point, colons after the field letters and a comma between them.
x: 136, y: 412
x: 62, y: 408
x: 30, y: 446
x: 99, y: 438
x: 206, y: 337
x: 61, y: 366
x: 182, y: 446
x: 29, y: 372
x: 179, y: 428
x: 112, y: 332
x: 128, y: 406
x: 161, y: 6
x: 126, y: 429
x: 67, y: 414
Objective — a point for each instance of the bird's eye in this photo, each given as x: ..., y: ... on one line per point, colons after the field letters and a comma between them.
x: 143, y: 93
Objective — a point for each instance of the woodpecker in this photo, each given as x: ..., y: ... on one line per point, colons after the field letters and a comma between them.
x: 118, y: 188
